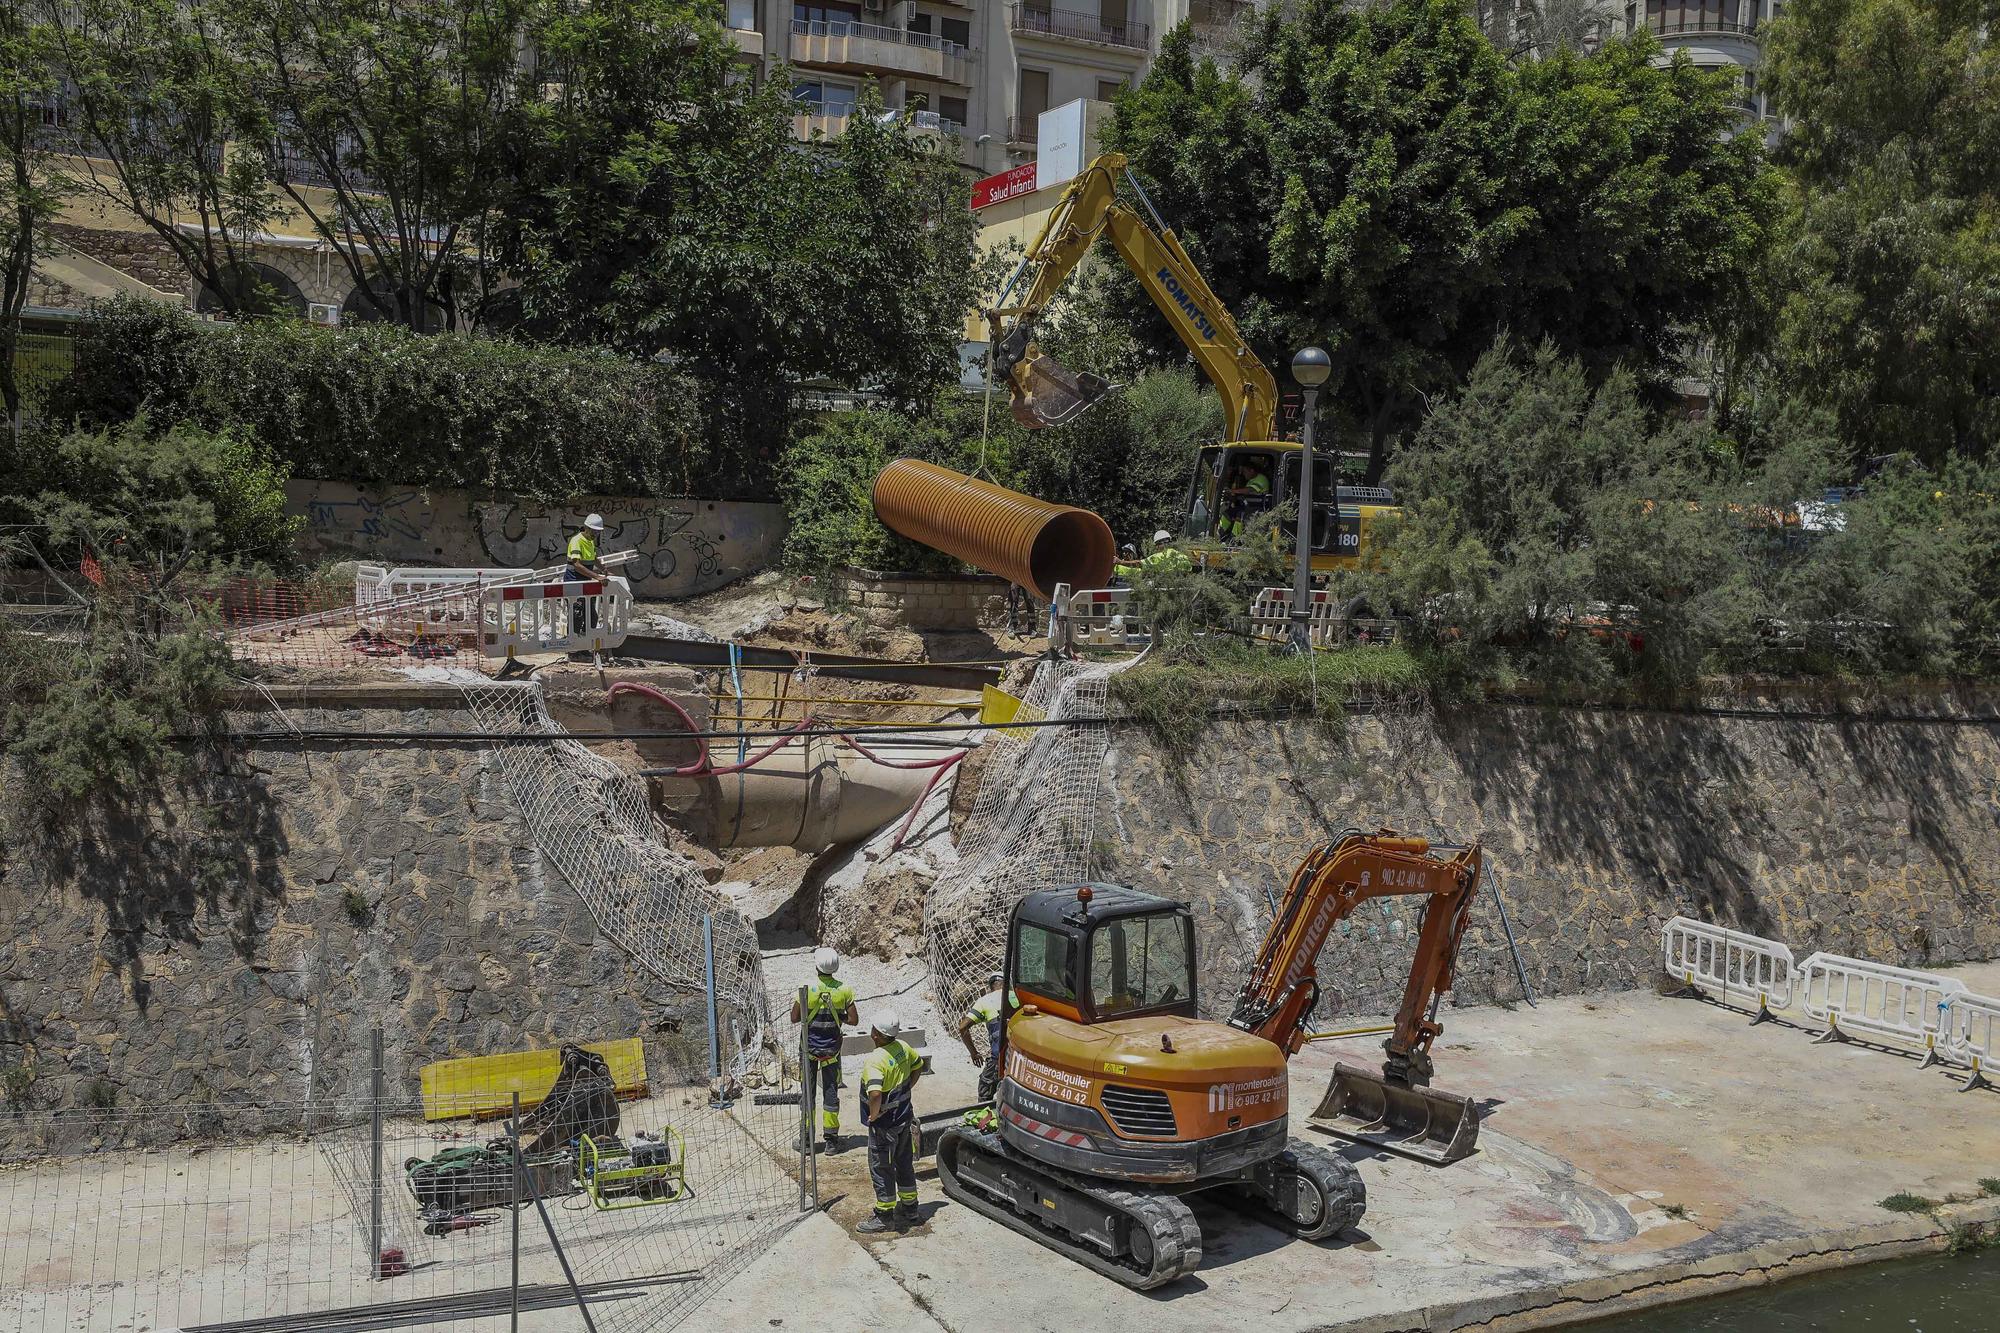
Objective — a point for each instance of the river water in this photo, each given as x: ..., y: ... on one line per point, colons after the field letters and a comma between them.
x: 1942, y: 1294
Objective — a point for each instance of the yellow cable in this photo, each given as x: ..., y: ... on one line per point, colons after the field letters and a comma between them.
x: 1350, y: 1032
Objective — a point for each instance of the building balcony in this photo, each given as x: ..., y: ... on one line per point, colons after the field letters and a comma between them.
x: 816, y: 118
x: 867, y: 48
x: 1024, y: 129
x: 1074, y: 26
x: 1681, y: 23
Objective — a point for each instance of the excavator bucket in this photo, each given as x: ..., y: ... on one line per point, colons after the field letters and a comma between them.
x: 1045, y: 394
x: 1431, y: 1126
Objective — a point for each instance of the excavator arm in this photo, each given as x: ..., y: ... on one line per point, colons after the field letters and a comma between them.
x: 1045, y: 394
x: 1396, y: 1109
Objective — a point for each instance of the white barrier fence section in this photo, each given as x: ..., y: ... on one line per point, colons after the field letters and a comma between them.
x: 1877, y: 1000
x: 1729, y: 961
x: 1271, y: 615
x: 438, y: 600
x: 1271, y: 621
x: 554, y: 617
x: 1972, y: 1025
x: 1106, y: 618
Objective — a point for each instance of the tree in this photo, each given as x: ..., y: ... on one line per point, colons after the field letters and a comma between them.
x: 1556, y: 519
x: 665, y: 209
x: 1887, y: 305
x: 32, y: 188
x: 1381, y: 180
x: 166, y: 126
x: 399, y: 110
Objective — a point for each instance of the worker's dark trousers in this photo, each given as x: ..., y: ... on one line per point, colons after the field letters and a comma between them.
x: 989, y: 1074
x: 576, y: 612
x: 892, y: 1165
x: 829, y: 1096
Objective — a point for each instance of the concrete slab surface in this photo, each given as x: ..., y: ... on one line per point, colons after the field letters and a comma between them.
x: 1635, y: 1148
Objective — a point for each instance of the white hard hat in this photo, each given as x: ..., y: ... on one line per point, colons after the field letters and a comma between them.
x: 1162, y: 536
x: 827, y: 960
x: 886, y: 1023
x: 595, y: 522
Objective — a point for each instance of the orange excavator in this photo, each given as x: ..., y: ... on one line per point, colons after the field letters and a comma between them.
x: 1117, y: 1101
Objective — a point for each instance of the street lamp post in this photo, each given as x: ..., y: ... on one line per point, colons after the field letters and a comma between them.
x: 1310, y: 368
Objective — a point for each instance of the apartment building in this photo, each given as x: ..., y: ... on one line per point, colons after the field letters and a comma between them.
x: 1716, y: 34
x: 982, y: 70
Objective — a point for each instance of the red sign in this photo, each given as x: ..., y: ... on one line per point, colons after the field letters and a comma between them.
x: 1007, y: 185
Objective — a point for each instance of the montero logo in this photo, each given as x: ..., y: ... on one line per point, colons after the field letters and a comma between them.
x: 1186, y: 303
x: 1237, y: 1096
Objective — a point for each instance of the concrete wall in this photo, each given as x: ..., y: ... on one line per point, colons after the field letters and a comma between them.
x: 686, y: 546
x: 202, y: 950
x: 1876, y: 838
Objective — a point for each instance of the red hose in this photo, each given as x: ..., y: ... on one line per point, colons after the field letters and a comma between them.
x: 911, y: 818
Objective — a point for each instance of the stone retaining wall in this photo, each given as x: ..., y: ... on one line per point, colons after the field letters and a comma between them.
x: 234, y: 944
x: 926, y: 601
x: 1874, y: 838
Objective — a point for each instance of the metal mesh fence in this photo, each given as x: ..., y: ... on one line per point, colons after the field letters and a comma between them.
x: 310, y: 1212
x: 1031, y: 826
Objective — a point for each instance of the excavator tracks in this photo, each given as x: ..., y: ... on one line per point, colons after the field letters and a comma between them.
x: 1306, y: 1191
x: 1162, y: 1238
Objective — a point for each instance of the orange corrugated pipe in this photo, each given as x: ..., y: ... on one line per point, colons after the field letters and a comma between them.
x: 1024, y: 540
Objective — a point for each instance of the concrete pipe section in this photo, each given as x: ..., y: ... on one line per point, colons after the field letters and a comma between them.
x: 811, y: 796
x: 1027, y: 541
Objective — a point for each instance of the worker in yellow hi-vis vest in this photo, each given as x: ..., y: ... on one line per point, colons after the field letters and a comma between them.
x: 829, y: 1002
x: 887, y: 1079
x: 582, y: 566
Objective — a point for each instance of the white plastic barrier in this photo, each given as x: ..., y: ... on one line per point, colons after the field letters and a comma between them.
x: 1875, y: 1000
x: 1106, y: 618
x: 434, y: 600
x: 1972, y: 1027
x: 1271, y: 620
x: 1271, y: 615
x: 1729, y: 962
x: 554, y: 617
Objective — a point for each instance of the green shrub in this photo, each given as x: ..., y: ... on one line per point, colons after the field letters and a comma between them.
x: 1905, y: 1202
x: 376, y: 403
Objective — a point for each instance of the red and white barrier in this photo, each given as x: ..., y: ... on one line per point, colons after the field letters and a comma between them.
x: 560, y: 616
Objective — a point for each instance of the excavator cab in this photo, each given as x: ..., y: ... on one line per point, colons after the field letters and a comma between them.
x: 1103, y: 951
x: 1234, y: 483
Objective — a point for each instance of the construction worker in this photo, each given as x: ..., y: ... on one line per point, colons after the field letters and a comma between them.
x: 829, y: 1002
x: 1250, y: 493
x: 582, y: 566
x: 1163, y: 557
x: 888, y: 1077
x: 986, y: 1011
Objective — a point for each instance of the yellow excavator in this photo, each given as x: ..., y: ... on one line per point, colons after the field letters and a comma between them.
x: 1117, y: 1101
x: 1250, y: 471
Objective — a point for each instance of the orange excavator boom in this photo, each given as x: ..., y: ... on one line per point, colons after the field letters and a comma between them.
x: 1282, y: 988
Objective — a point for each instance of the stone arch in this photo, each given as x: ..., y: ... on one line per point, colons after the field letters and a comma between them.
x: 359, y: 309
x: 254, y: 289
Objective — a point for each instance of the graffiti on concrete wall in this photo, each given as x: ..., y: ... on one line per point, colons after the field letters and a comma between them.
x: 406, y: 516
x: 683, y: 546
x: 667, y: 538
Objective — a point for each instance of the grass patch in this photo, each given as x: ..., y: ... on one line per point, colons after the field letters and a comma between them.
x: 1989, y: 1184
x: 1679, y: 1210
x: 355, y: 903
x: 1971, y: 1237
x: 1176, y: 699
x: 1905, y: 1202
